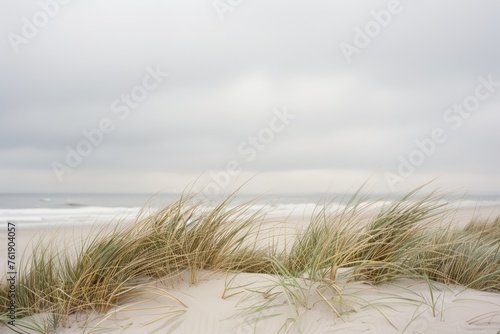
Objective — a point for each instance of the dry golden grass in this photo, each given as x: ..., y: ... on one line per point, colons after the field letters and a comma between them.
x: 397, y: 240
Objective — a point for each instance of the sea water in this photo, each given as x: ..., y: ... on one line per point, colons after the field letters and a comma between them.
x: 38, y: 210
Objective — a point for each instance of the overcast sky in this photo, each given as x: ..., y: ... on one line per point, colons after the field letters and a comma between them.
x: 297, y: 96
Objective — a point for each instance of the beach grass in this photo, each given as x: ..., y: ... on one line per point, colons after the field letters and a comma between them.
x: 405, y: 238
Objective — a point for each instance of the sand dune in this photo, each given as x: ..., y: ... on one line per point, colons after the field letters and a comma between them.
x: 244, y: 303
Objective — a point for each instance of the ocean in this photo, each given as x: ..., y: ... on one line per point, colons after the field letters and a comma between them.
x: 37, y: 210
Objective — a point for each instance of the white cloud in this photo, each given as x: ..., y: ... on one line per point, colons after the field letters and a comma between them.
x: 353, y: 120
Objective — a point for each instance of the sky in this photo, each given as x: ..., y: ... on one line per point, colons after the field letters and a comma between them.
x: 279, y: 96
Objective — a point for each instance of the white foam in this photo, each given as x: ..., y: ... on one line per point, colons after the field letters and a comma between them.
x: 38, y: 217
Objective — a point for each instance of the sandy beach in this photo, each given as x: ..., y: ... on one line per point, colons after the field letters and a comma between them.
x: 241, y: 303
x: 400, y: 307
x: 249, y: 167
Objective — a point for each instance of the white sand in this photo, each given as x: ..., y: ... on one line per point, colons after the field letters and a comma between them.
x: 402, y: 306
